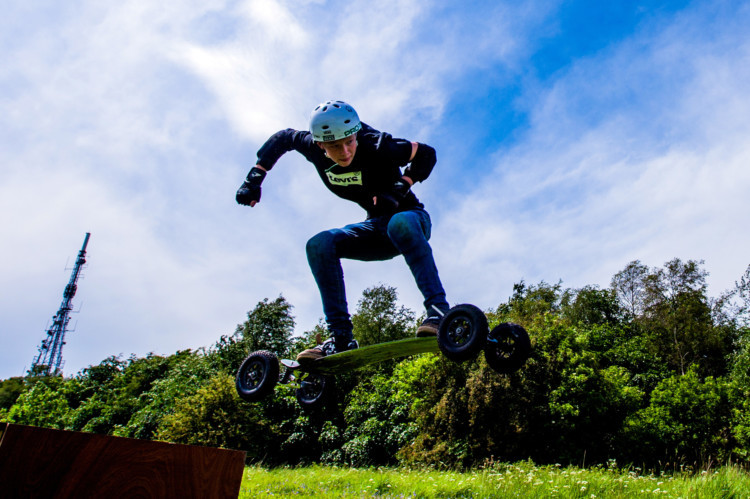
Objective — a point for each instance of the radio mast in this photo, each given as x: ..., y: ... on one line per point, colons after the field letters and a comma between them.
x: 49, y: 360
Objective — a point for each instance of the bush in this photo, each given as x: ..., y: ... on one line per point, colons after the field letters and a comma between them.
x: 686, y: 422
x: 44, y: 404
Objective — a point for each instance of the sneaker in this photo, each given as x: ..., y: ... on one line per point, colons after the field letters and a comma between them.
x: 328, y: 347
x: 429, y: 327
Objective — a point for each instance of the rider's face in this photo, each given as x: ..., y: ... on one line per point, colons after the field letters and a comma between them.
x: 341, y: 151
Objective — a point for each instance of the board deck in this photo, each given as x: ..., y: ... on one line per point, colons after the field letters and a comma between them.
x: 370, y: 354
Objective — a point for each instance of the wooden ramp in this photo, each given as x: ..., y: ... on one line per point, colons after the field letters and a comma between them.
x: 38, y: 462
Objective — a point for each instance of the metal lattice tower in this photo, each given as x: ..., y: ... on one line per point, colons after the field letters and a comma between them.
x: 49, y: 360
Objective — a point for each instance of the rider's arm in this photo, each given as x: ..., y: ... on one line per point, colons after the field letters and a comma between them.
x: 421, y: 163
x: 269, y: 153
x: 281, y: 143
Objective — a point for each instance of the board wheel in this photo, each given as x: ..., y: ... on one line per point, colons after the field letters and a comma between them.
x: 257, y: 375
x: 462, y: 332
x: 508, y: 346
x: 315, y: 390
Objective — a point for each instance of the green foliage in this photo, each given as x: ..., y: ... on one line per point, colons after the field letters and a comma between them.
x: 98, y: 406
x: 185, y: 373
x: 377, y: 415
x: 531, y: 302
x: 740, y: 379
x: 741, y: 297
x: 379, y: 318
x: 311, y: 437
x: 567, y: 401
x: 685, y: 422
x: 591, y: 306
x: 634, y: 351
x: 587, y: 409
x: 44, y: 404
x: 110, y: 393
x: 596, y: 360
x: 677, y: 317
x: 650, y: 370
x: 215, y: 416
x: 10, y: 389
x: 740, y: 371
x: 448, y: 427
x: 269, y: 326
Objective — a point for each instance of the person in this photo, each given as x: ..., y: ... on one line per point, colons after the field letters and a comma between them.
x: 363, y: 165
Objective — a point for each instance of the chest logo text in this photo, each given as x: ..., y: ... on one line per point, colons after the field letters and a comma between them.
x: 345, y: 179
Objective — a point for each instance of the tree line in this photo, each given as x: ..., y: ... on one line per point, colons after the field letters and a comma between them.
x: 649, y: 371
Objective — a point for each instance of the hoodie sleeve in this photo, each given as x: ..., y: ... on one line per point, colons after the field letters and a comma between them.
x: 284, y: 141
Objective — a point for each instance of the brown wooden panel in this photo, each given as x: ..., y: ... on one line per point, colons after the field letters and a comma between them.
x: 39, y: 462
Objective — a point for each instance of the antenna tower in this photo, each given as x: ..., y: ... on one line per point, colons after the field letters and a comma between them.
x: 49, y: 359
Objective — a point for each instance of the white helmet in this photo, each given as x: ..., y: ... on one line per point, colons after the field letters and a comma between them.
x: 333, y: 120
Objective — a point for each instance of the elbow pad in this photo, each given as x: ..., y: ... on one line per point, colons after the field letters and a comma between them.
x: 422, y: 164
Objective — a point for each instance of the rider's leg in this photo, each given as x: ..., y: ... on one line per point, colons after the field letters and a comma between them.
x: 329, y: 276
x: 360, y: 241
x: 372, y: 240
x: 410, y: 231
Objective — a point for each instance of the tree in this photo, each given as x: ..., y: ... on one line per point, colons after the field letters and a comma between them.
x: 44, y: 404
x: 377, y: 417
x: 740, y: 377
x: 95, y: 381
x: 591, y: 306
x: 269, y: 326
x: 185, y: 373
x: 734, y: 305
x: 742, y: 292
x: 678, y: 317
x: 687, y: 421
x: 531, y: 302
x: 379, y: 318
x: 10, y: 389
x: 213, y: 416
x: 106, y: 396
x: 628, y: 285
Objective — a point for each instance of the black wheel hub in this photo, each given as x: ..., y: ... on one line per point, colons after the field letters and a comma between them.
x: 459, y: 331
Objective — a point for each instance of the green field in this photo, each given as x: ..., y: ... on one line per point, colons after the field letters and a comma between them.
x: 511, y: 480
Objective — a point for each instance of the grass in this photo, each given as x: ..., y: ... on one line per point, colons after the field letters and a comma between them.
x: 508, y: 480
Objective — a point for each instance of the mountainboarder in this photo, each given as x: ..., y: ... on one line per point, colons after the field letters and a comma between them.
x: 363, y: 165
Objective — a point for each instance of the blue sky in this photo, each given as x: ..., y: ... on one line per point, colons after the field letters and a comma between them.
x: 573, y: 137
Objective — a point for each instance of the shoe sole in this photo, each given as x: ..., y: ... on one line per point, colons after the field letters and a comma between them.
x: 424, y: 333
x: 309, y: 357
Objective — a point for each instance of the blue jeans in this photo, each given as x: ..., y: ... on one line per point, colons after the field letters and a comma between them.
x: 375, y: 239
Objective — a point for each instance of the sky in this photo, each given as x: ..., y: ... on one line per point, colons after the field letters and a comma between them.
x: 573, y: 137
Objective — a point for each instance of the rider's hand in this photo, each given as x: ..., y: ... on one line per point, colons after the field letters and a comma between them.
x: 384, y: 204
x: 400, y: 188
x: 388, y: 202
x: 249, y: 193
